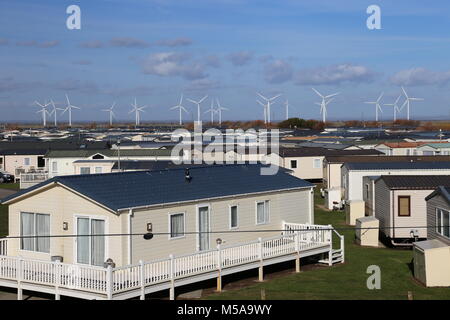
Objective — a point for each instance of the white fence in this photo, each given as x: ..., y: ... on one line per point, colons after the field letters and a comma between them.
x: 3, y: 247
x: 30, y: 179
x: 110, y: 281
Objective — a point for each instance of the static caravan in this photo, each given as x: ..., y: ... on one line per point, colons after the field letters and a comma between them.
x: 400, y: 206
x: 188, y: 210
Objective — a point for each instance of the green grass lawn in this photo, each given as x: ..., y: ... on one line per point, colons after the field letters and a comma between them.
x: 11, y: 186
x: 344, y: 281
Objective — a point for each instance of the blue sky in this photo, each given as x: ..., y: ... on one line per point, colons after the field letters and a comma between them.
x: 155, y: 50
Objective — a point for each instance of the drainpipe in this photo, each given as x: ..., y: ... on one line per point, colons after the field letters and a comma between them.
x: 130, y: 215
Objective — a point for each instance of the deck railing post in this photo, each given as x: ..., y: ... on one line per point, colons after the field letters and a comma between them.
x: 172, y: 278
x: 261, y: 258
x: 142, y: 279
x: 219, y: 268
x: 297, y: 250
x: 109, y: 282
x: 57, y: 274
x: 342, y: 249
x: 19, y: 275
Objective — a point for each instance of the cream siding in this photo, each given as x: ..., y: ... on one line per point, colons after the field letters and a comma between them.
x: 437, y: 202
x: 293, y: 206
x: 62, y: 206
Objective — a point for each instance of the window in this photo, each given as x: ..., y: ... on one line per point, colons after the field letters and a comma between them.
x: 442, y: 222
x: 54, y: 166
x: 85, y: 170
x: 177, y: 225
x: 35, y: 225
x: 98, y: 169
x: 404, y: 206
x: 317, y: 163
x: 293, y: 164
x: 91, y: 245
x: 26, y: 161
x: 233, y: 217
x: 262, y: 212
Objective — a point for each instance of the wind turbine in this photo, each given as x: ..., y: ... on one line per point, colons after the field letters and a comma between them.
x: 180, y: 107
x: 269, y: 102
x: 198, y: 106
x: 212, y: 111
x: 287, y: 108
x: 377, y: 105
x: 408, y: 99
x: 111, y: 113
x: 44, y: 111
x: 53, y: 112
x: 324, y: 103
x: 137, y: 111
x: 219, y: 111
x: 395, y: 106
x: 265, y: 110
x: 69, y: 107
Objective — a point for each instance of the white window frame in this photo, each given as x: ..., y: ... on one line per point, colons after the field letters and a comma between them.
x: 54, y: 165
x: 266, y: 212
x: 88, y: 168
x: 440, y: 231
x: 98, y: 170
x: 25, y: 160
x: 75, y: 228
x: 314, y: 163
x: 296, y: 163
x: 35, y: 239
x: 170, y: 225
x: 237, y: 216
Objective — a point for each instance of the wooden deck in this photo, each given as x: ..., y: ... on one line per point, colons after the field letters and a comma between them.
x: 87, y: 282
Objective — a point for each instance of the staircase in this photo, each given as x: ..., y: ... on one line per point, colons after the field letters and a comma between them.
x: 336, y: 257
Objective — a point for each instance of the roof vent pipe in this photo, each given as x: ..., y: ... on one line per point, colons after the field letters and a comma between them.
x: 187, y: 175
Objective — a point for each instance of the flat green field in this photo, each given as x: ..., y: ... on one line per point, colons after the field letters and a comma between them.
x: 344, y: 281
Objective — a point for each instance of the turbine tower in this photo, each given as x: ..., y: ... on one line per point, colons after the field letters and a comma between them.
x: 323, y: 104
x: 287, y: 108
x: 377, y: 105
x: 111, y: 113
x: 137, y: 111
x: 395, y: 106
x: 44, y: 111
x: 212, y: 111
x: 198, y: 106
x: 219, y: 111
x: 180, y: 107
x: 408, y: 99
x: 265, y: 110
x: 69, y: 108
x: 269, y: 103
x: 53, y: 112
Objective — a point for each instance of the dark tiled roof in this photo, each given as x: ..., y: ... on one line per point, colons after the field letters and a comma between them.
x: 442, y: 190
x: 144, y: 188
x: 424, y: 165
x: 311, y: 152
x: 342, y: 159
x: 108, y: 153
x: 415, y: 182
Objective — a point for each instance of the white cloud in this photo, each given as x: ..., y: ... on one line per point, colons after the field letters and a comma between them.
x: 278, y: 71
x: 335, y: 74
x: 420, y: 77
x: 172, y: 64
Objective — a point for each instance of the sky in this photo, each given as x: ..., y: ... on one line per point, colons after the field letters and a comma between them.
x: 156, y: 50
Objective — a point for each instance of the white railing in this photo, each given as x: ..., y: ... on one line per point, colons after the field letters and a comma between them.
x: 110, y: 281
x: 30, y: 179
x: 3, y: 247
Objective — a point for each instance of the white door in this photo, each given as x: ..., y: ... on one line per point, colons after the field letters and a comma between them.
x: 203, y: 228
x: 90, y: 246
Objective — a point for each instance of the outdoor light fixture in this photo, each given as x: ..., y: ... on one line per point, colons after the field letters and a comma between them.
x: 148, y: 236
x: 65, y: 226
x: 149, y: 227
x: 219, y: 241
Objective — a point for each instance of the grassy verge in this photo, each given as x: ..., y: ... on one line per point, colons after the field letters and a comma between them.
x: 345, y: 281
x: 11, y: 186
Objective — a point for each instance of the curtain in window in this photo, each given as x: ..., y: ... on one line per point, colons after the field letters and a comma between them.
x: 85, y: 170
x: 176, y: 225
x: 98, y: 242
x: 203, y: 220
x: 403, y: 203
x: 27, y: 229
x: 54, y: 166
x: 43, y: 229
x: 83, y: 242
x: 260, y: 212
x: 266, y: 211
